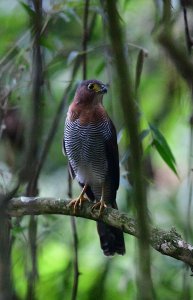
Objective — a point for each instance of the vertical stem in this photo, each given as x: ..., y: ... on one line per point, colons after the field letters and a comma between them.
x: 5, y: 278
x: 167, y: 12
x: 188, y: 229
x: 145, y: 289
x: 6, y: 289
x: 190, y: 163
x: 189, y: 47
x: 86, y: 34
x: 33, y: 144
x: 85, y: 38
x: 76, y: 266
x: 75, y: 245
x: 32, y: 277
x: 35, y: 119
x: 189, y: 42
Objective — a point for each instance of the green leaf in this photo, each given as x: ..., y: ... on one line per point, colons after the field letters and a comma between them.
x: 17, y: 230
x: 147, y: 150
x: 125, y: 4
x: 28, y: 9
x: 46, y: 43
x: 163, y: 148
x: 143, y: 134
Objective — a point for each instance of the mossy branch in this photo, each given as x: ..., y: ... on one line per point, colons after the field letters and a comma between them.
x: 169, y: 243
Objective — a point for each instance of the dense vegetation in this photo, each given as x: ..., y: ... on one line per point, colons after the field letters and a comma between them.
x: 46, y: 49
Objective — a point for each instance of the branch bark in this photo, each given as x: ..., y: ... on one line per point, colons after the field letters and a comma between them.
x: 169, y: 242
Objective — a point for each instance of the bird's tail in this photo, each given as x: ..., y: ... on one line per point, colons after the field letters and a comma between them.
x: 111, y: 239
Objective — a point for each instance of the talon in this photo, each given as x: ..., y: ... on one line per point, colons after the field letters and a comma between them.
x: 101, y: 204
x: 77, y: 202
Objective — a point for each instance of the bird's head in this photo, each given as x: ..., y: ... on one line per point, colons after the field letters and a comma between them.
x: 90, y: 92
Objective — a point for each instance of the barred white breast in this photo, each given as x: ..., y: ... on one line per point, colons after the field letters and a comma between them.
x: 85, y: 148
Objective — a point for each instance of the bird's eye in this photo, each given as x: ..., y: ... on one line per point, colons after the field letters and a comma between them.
x: 91, y: 86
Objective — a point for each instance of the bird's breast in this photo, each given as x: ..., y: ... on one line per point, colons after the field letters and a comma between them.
x: 85, y: 148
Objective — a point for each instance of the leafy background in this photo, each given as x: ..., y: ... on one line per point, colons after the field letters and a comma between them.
x: 165, y: 108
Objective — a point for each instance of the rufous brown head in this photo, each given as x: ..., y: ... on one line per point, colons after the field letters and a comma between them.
x: 90, y: 92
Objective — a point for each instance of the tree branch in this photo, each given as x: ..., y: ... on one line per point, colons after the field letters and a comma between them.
x: 169, y: 243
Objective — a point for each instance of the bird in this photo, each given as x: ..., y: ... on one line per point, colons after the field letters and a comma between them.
x: 90, y: 144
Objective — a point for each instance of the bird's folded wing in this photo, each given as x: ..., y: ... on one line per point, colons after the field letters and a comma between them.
x: 72, y: 174
x: 112, y: 156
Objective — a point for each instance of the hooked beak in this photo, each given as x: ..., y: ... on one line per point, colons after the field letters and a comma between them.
x: 104, y: 89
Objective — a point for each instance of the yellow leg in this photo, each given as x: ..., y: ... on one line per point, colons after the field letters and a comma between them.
x: 101, y: 204
x: 78, y: 201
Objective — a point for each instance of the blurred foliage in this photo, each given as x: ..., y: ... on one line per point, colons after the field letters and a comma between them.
x: 163, y: 100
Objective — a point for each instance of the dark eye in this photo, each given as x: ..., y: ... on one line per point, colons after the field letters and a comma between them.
x: 91, y: 86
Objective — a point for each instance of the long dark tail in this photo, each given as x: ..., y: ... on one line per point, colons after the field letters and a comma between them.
x: 111, y: 239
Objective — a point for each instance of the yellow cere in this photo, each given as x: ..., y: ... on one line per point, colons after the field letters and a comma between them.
x: 96, y: 87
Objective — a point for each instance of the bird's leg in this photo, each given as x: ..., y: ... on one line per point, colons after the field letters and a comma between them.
x: 78, y: 201
x: 101, y: 204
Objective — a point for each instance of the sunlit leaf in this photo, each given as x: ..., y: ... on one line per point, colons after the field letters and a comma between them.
x: 157, y: 135
x: 163, y: 148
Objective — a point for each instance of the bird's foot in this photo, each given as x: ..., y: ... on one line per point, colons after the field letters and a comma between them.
x: 77, y: 202
x: 101, y: 205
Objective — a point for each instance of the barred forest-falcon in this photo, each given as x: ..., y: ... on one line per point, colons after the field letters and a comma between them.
x: 90, y: 143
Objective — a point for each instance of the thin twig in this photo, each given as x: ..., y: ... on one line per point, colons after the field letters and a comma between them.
x: 181, y: 61
x: 85, y: 38
x: 75, y: 245
x: 189, y: 41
